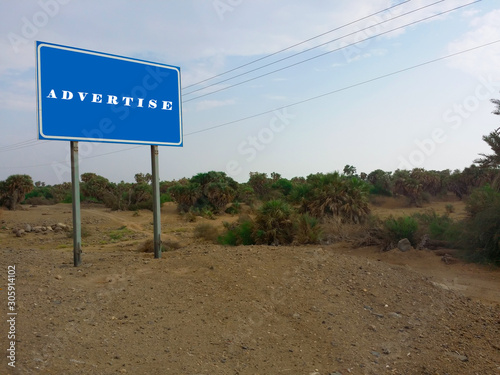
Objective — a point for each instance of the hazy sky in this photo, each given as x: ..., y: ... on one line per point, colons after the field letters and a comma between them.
x: 380, y: 96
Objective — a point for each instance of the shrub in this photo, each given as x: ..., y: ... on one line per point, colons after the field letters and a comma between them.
x: 206, y: 231
x: 238, y: 233
x: 481, y: 199
x: 341, y: 197
x: 148, y: 246
x: 40, y: 195
x: 260, y: 184
x: 481, y: 236
x: 274, y: 224
x: 402, y: 227
x: 14, y: 189
x: 283, y: 185
x: 381, y: 182
x: 481, y: 231
x: 234, y: 208
x: 38, y: 201
x: 308, y: 230
x: 212, y: 191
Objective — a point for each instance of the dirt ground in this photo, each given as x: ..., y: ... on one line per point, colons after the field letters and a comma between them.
x: 209, y: 309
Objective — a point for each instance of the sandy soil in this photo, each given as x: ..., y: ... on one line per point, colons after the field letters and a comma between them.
x: 209, y: 309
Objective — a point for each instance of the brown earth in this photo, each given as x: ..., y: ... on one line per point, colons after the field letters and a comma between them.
x: 209, y: 309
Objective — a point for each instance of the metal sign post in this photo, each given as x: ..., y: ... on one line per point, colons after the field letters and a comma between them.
x: 75, y: 189
x: 156, y: 202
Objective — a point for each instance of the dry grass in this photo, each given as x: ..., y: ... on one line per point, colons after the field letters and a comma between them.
x: 148, y: 246
x: 206, y: 231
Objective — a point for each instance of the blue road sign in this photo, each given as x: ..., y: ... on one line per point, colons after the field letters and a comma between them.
x: 97, y: 97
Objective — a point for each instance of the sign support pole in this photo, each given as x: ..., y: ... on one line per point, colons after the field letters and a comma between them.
x: 75, y: 189
x: 156, y: 202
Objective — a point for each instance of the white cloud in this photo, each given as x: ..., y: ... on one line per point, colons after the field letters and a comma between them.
x: 483, y: 61
x: 209, y: 104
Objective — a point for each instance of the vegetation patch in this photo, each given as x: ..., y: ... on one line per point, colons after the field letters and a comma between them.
x: 148, y: 246
x: 121, y: 234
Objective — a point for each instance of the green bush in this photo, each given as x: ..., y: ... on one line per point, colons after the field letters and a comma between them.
x: 234, y: 208
x: 402, y: 227
x: 40, y: 195
x: 212, y: 191
x: 434, y: 225
x: 332, y: 195
x: 480, y: 237
x: 238, y: 233
x: 274, y: 225
x: 481, y: 199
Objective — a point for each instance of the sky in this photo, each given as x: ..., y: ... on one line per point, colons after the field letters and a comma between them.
x: 292, y: 87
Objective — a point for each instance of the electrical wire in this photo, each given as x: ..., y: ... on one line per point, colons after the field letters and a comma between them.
x: 345, y: 88
x: 317, y: 46
x: 22, y: 144
x: 328, y: 52
x: 298, y: 44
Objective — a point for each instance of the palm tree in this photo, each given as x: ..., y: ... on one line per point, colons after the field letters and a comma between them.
x: 491, y: 161
x: 493, y: 140
x: 14, y: 188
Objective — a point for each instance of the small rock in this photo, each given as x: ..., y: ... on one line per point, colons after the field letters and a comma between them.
x: 296, y: 316
x: 20, y: 232
x: 62, y: 226
x: 58, y: 277
x: 27, y: 228
x: 462, y: 358
x: 404, y: 245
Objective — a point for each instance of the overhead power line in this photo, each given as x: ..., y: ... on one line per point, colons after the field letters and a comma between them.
x: 344, y: 88
x: 315, y: 47
x: 22, y: 144
x: 329, y: 52
x: 298, y: 44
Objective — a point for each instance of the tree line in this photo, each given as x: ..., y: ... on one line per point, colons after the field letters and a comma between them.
x: 215, y: 192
